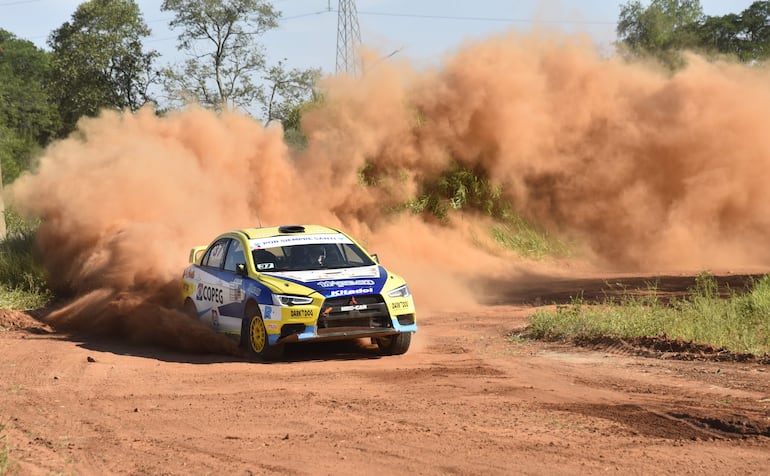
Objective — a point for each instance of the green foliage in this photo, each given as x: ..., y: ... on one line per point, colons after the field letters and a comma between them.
x: 25, y: 72
x: 458, y: 188
x: 740, y: 323
x: 462, y: 188
x: 22, y: 276
x: 526, y: 239
x: 219, y: 36
x: 368, y: 175
x: 745, y: 35
x: 16, y: 153
x: 290, y: 91
x: 4, y: 450
x: 666, y: 27
x: 291, y: 110
x: 631, y: 317
x: 99, y: 61
x: 662, y: 29
x: 27, y: 118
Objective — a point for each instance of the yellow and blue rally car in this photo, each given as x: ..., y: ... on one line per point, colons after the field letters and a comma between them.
x: 295, y: 283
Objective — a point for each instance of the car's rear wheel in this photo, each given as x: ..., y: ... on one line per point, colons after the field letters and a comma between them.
x: 254, y: 336
x: 190, y: 309
x: 396, y: 344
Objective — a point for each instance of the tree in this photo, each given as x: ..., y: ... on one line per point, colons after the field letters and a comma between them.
x: 28, y: 119
x: 719, y: 34
x: 219, y: 36
x: 99, y: 60
x: 662, y: 29
x: 745, y: 35
x: 666, y: 27
x: 289, y: 90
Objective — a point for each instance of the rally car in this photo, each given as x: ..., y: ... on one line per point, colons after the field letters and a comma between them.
x: 296, y: 283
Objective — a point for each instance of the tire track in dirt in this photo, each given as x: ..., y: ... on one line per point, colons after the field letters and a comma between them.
x: 466, y: 399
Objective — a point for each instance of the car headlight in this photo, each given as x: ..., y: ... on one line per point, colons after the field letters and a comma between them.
x: 289, y: 300
x: 401, y: 291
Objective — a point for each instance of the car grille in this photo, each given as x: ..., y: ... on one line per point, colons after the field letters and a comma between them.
x: 367, y: 311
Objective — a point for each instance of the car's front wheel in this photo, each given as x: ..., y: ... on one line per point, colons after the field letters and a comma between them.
x: 254, y: 336
x: 396, y: 344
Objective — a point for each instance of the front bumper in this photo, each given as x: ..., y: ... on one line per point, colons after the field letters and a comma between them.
x: 349, y: 317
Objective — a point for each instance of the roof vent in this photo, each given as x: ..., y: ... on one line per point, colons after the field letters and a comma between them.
x: 291, y: 229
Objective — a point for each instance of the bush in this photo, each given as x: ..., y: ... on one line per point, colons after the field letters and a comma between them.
x: 23, y: 278
x: 460, y: 188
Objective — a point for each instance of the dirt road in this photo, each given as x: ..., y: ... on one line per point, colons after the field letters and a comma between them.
x: 466, y: 399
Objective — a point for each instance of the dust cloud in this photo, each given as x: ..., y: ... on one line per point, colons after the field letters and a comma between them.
x: 646, y: 170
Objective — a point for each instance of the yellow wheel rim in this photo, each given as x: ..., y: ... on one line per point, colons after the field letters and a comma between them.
x: 258, y: 334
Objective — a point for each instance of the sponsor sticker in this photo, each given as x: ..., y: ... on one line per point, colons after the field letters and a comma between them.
x: 253, y: 289
x: 359, y: 307
x: 236, y: 294
x: 208, y: 293
x: 343, y: 283
x: 301, y: 313
x: 297, y: 240
x: 399, y: 304
x: 348, y: 292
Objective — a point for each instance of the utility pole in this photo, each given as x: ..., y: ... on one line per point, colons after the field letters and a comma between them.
x: 348, y: 38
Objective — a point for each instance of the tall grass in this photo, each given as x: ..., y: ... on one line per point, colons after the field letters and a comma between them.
x: 4, y: 450
x: 461, y: 188
x: 22, y: 275
x: 740, y: 322
x: 521, y: 236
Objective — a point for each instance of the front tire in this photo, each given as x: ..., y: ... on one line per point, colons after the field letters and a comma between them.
x: 396, y: 344
x: 254, y: 336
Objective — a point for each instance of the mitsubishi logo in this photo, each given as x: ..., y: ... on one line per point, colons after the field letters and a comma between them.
x: 352, y: 301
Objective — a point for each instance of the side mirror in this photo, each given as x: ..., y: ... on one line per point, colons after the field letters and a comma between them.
x: 375, y: 258
x: 240, y: 269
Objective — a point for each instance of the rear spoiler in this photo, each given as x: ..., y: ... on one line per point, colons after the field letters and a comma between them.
x: 196, y: 254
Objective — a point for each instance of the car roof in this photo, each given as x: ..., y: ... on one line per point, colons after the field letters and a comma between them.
x: 284, y: 230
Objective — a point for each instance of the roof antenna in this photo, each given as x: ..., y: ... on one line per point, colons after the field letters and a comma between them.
x: 259, y: 221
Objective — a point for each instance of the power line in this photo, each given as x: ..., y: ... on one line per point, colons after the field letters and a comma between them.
x: 304, y: 15
x: 18, y: 2
x: 370, y: 13
x: 488, y: 19
x: 460, y: 18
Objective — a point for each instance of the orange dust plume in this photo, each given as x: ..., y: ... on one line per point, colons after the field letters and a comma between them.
x: 124, y: 198
x: 649, y: 170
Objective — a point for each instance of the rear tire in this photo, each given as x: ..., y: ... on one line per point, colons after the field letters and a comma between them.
x: 190, y: 309
x: 254, y: 336
x: 396, y: 344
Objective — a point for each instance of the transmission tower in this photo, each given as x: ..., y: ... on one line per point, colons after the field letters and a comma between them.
x: 348, y: 38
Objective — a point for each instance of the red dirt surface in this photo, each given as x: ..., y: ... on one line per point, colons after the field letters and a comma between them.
x: 466, y: 399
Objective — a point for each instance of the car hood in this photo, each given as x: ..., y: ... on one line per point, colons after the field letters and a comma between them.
x: 338, y: 282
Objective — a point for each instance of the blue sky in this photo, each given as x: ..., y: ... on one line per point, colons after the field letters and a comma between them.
x: 422, y: 31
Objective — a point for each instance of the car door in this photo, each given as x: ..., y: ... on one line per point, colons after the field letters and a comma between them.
x: 210, y: 293
x: 231, y: 311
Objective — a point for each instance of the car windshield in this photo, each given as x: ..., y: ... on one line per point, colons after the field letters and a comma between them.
x: 311, y: 256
